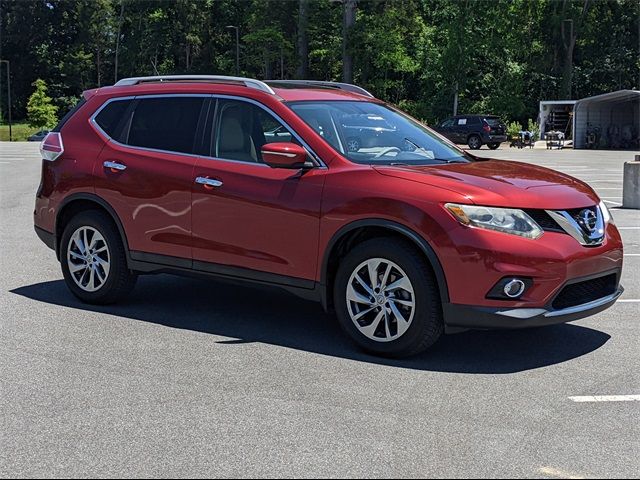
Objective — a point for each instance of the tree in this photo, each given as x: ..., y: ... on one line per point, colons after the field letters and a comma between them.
x: 570, y: 26
x: 303, y: 40
x: 349, y: 20
x: 41, y: 113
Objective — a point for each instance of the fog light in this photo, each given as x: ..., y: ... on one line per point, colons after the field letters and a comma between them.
x: 514, y: 288
x: 510, y: 288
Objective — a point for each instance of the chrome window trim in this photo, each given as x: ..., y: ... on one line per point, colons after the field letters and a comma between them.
x: 92, y: 120
x: 138, y: 97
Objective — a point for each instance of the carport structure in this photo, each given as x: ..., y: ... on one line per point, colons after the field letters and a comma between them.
x: 612, y: 120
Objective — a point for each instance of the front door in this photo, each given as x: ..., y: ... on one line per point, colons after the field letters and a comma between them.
x: 249, y: 219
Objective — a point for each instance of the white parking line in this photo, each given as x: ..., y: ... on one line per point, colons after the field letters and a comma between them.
x: 554, y: 472
x: 632, y: 254
x: 629, y: 300
x: 613, y: 203
x: 606, y: 398
x: 628, y: 228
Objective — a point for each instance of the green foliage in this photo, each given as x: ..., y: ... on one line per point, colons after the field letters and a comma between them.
x: 513, y: 130
x: 41, y: 112
x: 19, y: 132
x: 500, y: 56
x: 534, y: 127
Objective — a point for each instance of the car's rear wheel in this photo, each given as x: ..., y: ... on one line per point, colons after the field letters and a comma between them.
x: 93, y: 259
x: 387, y: 299
x: 493, y: 146
x: 474, y: 142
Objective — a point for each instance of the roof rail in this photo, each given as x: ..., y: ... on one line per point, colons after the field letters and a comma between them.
x: 247, y: 82
x: 318, y: 83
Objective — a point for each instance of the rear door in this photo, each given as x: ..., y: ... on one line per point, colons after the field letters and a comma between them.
x: 460, y: 129
x: 145, y: 172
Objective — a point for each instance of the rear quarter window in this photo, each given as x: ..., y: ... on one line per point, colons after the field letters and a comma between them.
x: 110, y: 116
x: 493, y: 121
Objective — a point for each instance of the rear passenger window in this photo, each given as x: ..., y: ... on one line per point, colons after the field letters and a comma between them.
x: 167, y: 123
x: 110, y: 116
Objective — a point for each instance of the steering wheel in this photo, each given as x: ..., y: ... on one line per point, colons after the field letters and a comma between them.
x: 386, y: 151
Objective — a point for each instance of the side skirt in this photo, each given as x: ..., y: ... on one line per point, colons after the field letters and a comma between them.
x: 149, y: 263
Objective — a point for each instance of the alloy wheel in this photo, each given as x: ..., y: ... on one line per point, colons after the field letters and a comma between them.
x: 88, y: 259
x: 380, y: 300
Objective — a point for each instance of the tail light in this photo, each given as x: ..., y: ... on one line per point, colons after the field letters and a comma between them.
x: 486, y: 127
x: 51, y: 147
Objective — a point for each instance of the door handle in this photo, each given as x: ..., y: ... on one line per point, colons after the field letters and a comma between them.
x: 114, y: 166
x: 209, y: 183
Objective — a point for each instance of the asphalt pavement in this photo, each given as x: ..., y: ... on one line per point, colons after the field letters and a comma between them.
x: 198, y: 378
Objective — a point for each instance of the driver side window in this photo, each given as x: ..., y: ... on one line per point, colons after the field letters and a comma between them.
x: 242, y: 129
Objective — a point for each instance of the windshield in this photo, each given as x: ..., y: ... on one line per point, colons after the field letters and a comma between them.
x: 376, y: 134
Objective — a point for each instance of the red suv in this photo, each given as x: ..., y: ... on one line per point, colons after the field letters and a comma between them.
x: 404, y: 236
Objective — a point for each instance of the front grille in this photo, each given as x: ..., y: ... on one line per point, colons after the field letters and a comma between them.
x: 585, y: 292
x: 576, y: 214
x: 545, y: 221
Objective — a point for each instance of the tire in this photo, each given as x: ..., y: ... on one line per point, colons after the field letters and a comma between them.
x: 110, y: 279
x: 474, y: 142
x: 493, y: 146
x: 388, y: 337
x: 353, y: 144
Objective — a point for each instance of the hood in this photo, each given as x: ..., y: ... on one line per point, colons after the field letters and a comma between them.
x: 502, y: 183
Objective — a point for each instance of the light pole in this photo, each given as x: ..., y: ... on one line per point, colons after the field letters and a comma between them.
x: 237, y: 48
x: 8, y: 96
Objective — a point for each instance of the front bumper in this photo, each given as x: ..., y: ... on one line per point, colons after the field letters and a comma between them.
x: 474, y: 317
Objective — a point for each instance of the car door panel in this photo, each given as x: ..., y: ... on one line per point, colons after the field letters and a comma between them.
x: 259, y: 218
x: 256, y: 218
x: 152, y: 197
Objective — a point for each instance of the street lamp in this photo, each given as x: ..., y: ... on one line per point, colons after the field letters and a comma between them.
x: 237, y: 48
x: 8, y: 96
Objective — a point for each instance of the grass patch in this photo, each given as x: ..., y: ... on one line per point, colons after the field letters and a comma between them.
x: 20, y: 132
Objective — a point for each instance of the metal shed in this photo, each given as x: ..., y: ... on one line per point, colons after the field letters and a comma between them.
x: 611, y: 120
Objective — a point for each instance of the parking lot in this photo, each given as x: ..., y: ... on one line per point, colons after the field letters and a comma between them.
x: 198, y: 378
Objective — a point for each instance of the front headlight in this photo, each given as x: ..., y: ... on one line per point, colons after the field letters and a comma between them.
x: 507, y: 220
x: 606, y: 214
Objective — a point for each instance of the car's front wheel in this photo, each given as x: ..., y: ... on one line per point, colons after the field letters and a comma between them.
x: 387, y: 299
x: 93, y: 259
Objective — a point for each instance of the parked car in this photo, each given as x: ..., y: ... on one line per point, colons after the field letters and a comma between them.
x: 238, y: 179
x: 366, y: 131
x: 38, y: 136
x: 474, y: 130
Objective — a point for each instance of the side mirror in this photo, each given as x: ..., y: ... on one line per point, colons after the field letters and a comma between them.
x: 284, y: 155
